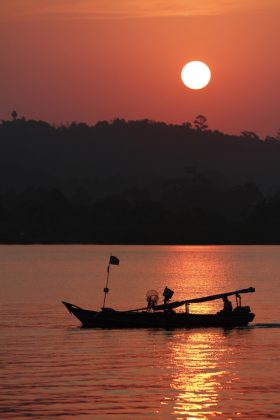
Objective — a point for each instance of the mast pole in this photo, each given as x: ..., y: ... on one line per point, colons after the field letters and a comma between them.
x: 106, y: 290
x: 115, y: 261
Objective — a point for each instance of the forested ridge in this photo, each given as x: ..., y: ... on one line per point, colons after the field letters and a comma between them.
x: 137, y: 182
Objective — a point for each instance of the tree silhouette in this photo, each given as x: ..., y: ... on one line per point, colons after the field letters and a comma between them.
x: 250, y: 135
x: 187, y: 124
x: 200, y: 122
x: 14, y: 115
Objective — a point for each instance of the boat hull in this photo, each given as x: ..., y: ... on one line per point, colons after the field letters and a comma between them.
x: 167, y: 320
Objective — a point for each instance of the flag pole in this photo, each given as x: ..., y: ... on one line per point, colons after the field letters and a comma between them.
x: 106, y: 290
x: 115, y: 261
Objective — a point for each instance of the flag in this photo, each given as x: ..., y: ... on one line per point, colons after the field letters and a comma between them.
x: 114, y: 260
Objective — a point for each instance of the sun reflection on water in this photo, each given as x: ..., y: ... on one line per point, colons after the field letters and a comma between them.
x: 199, y: 274
x: 200, y: 371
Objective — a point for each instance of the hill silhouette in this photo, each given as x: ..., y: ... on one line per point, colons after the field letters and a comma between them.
x: 136, y: 182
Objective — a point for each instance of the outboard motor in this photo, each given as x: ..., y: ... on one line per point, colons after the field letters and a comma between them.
x: 167, y: 294
x: 240, y: 309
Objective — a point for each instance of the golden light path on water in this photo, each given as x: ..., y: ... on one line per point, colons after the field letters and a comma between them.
x: 198, y: 377
x: 186, y: 276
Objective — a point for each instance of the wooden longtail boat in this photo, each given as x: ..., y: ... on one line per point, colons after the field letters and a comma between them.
x: 164, y: 316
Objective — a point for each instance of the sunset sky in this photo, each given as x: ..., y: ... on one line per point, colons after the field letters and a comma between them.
x: 90, y: 60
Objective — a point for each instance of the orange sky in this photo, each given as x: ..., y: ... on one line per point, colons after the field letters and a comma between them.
x: 87, y: 60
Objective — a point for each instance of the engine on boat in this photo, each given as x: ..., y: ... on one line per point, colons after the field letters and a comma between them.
x: 167, y: 294
x: 242, y: 309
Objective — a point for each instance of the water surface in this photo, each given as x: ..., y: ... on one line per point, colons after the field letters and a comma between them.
x: 50, y: 368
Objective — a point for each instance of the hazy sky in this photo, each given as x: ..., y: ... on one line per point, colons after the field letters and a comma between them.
x: 87, y: 60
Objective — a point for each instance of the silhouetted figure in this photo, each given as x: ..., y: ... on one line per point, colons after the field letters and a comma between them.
x: 227, y: 305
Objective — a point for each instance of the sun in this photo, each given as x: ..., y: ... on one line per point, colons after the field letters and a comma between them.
x: 196, y: 75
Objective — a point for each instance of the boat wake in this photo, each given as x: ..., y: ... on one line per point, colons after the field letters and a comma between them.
x: 267, y: 325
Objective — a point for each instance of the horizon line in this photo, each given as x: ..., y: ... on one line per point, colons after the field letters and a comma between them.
x: 110, y: 121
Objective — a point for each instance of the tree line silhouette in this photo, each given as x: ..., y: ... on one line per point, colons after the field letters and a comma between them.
x: 137, y: 182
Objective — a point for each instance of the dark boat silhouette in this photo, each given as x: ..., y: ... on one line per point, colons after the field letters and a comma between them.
x: 164, y: 316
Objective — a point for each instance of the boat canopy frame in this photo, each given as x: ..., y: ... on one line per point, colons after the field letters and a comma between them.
x: 177, y: 304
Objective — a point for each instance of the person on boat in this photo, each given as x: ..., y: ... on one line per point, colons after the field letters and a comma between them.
x: 227, y: 305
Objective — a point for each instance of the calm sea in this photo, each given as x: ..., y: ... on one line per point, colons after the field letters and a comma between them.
x: 52, y: 369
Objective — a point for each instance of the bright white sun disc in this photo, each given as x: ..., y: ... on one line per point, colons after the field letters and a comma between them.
x: 196, y: 75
